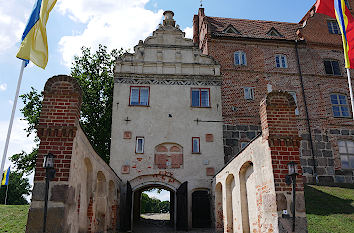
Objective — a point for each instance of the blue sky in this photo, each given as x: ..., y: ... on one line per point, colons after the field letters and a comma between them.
x: 115, y: 23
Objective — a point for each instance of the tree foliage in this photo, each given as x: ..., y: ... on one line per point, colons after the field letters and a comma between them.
x: 94, y: 71
x: 153, y: 205
x: 17, y: 188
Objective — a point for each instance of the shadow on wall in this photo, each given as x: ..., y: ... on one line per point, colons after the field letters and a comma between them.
x: 334, y: 205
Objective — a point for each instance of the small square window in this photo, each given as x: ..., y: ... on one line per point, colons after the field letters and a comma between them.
x: 280, y: 61
x: 139, y: 147
x: 333, y: 27
x: 240, y: 58
x: 248, y: 93
x: 332, y: 67
x: 139, y: 96
x: 195, y: 145
x: 293, y: 94
x: 339, y: 105
x: 200, y: 97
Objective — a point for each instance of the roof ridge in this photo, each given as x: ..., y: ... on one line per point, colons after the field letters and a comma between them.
x: 259, y: 20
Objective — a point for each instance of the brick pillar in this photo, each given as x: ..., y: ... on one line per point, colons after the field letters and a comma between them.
x: 58, y: 122
x: 279, y: 128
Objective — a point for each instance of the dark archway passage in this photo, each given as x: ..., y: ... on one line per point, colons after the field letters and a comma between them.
x: 146, y: 218
x: 201, y: 209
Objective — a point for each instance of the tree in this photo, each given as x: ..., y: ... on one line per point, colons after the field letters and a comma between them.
x: 17, y: 188
x: 94, y: 72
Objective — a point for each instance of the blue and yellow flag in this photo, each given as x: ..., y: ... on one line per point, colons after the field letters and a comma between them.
x: 338, y: 10
x: 5, y: 180
x: 34, y: 46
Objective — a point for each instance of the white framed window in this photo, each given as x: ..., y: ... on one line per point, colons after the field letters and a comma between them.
x: 195, y: 145
x: 139, y: 147
x: 281, y: 61
x: 340, y: 106
x: 293, y: 94
x: 346, y: 152
x: 139, y: 96
x: 333, y: 27
x: 240, y: 58
x: 248, y: 93
x: 200, y: 97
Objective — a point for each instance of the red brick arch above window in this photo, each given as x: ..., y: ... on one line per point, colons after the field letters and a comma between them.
x: 168, y: 155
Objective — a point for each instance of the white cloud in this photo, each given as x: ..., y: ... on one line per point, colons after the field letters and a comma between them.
x: 114, y: 23
x: 12, y: 22
x: 3, y: 86
x: 189, y: 32
x: 162, y: 196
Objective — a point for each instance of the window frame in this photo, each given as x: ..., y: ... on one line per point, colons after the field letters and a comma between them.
x: 200, y: 97
x: 137, y: 144
x: 252, y: 91
x: 347, y: 4
x: 280, y: 61
x: 331, y: 61
x: 193, y: 138
x: 340, y: 105
x: 140, y: 87
x: 333, y: 26
x: 239, y: 54
x: 347, y: 154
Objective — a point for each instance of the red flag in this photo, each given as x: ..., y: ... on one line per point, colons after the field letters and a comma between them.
x: 326, y: 7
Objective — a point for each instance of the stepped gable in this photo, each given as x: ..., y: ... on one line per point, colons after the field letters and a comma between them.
x: 167, y: 51
x: 257, y: 29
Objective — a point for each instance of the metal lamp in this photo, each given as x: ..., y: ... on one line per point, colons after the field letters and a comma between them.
x: 48, y: 164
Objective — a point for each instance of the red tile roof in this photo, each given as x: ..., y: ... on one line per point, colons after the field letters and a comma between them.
x: 252, y: 28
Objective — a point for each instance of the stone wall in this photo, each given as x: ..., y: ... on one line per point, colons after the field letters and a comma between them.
x: 83, y: 196
x: 250, y: 192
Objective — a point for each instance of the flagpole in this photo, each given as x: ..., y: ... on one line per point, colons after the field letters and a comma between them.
x: 350, y: 91
x: 7, y: 188
x: 12, y: 118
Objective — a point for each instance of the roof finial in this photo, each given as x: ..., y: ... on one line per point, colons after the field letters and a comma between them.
x: 201, y: 3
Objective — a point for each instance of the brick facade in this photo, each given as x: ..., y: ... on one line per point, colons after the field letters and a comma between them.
x: 310, y: 42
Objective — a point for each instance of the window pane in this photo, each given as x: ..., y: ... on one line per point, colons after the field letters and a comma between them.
x: 247, y: 93
x: 351, y: 161
x: 328, y: 67
x: 342, y: 99
x: 195, y: 98
x: 237, y: 58
x: 329, y: 25
x: 345, y: 111
x: 243, y: 59
x: 334, y: 99
x: 350, y: 146
x: 144, y: 96
x: 283, y: 62
x: 277, y: 61
x: 205, y: 98
x: 134, y: 96
x: 140, y: 144
x: 336, y: 69
x: 195, y: 145
x: 345, y: 162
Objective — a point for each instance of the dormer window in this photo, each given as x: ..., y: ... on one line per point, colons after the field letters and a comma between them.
x: 333, y: 27
x: 240, y: 58
x: 274, y: 32
x: 231, y: 29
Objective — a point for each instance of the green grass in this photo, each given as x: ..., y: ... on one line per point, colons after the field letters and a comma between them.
x: 330, y: 209
x: 13, y: 218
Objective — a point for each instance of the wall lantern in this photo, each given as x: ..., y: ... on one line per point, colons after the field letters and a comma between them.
x: 291, y: 178
x: 48, y: 164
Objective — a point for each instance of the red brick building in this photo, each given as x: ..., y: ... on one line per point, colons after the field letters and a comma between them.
x: 304, y: 59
